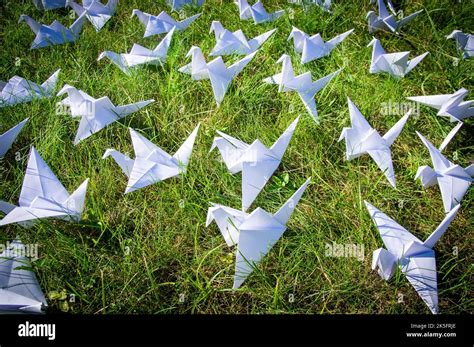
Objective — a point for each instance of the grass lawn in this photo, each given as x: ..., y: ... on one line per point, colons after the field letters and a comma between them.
x: 150, y: 252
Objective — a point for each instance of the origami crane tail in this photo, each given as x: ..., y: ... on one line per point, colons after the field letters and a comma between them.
x: 415, y: 61
x: 7, y: 139
x: 450, y: 136
x: 280, y: 145
x: 187, y: 22
x: 256, y: 42
x: 339, y: 38
x: 395, y: 131
x: 408, y: 19
x: 50, y: 84
x: 184, y: 152
x: 76, y: 27
x: 76, y: 7
x: 164, y: 45
x: 75, y: 203
x: 285, y: 212
x: 112, y: 6
x: 441, y: 229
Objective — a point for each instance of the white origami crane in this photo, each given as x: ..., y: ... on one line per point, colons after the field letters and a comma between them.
x: 256, y: 161
x: 163, y: 23
x: 140, y: 55
x: 415, y: 258
x: 449, y: 105
x: 7, y: 138
x: 49, y: 4
x: 302, y: 84
x: 43, y: 196
x: 387, y: 21
x: 464, y: 42
x: 228, y: 42
x: 95, y: 114
x: 396, y: 64
x: 97, y: 13
x: 361, y: 138
x: 179, y: 4
x: 314, y: 47
x: 152, y: 164
x: 254, y: 233
x: 325, y: 5
x: 19, y: 288
x: 18, y: 90
x: 54, y: 34
x: 216, y: 71
x: 257, y: 12
x: 453, y: 180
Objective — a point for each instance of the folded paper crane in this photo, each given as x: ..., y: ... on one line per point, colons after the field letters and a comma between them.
x: 43, y: 196
x: 49, y: 4
x: 254, y: 233
x: 95, y: 114
x: 228, y: 42
x: 453, y: 180
x: 361, y: 138
x: 18, y: 90
x: 415, y: 258
x: 177, y: 5
x: 395, y: 64
x: 257, y: 12
x: 54, y: 34
x: 163, y: 23
x: 216, y: 71
x: 140, y: 55
x: 152, y: 164
x: 386, y: 21
x: 302, y: 84
x: 7, y: 138
x: 464, y: 42
x: 96, y: 12
x: 314, y: 47
x: 19, y: 289
x: 449, y: 105
x: 256, y: 161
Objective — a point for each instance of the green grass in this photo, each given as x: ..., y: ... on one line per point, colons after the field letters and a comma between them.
x: 146, y: 251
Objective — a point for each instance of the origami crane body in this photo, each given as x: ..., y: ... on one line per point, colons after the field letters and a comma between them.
x: 464, y: 42
x: 95, y: 114
x: 387, y: 21
x: 54, y: 34
x: 49, y: 4
x: 179, y: 4
x: 96, y: 12
x: 18, y: 90
x: 228, y: 42
x: 314, y: 47
x: 152, y: 164
x: 395, y: 64
x: 19, y: 288
x: 302, y: 84
x: 257, y: 12
x: 43, y: 196
x: 256, y: 161
x: 415, y: 258
x: 216, y: 71
x: 361, y: 138
x: 163, y: 23
x: 254, y: 233
x: 453, y: 180
x: 140, y: 55
x: 7, y: 138
x: 449, y: 105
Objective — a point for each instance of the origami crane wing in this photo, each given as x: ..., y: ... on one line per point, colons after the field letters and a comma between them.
x: 435, y: 101
x: 19, y: 288
x: 421, y: 273
x: 40, y: 181
x: 7, y: 138
x: 395, y: 237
